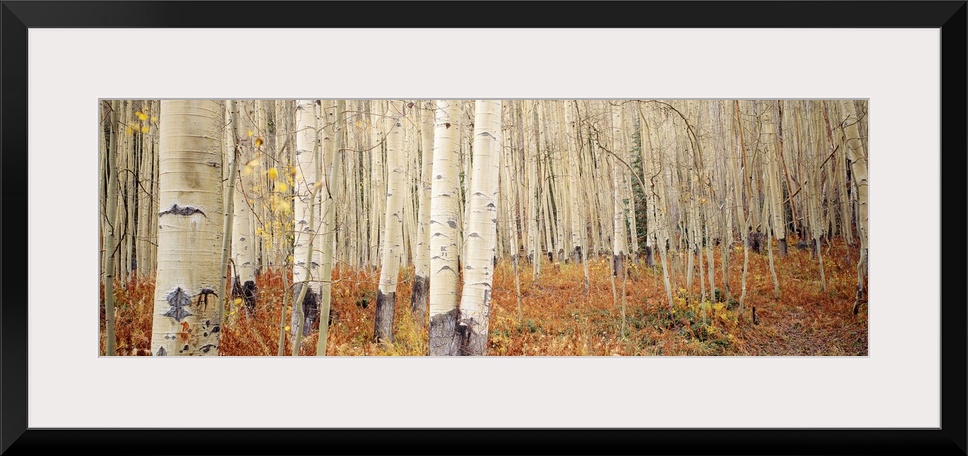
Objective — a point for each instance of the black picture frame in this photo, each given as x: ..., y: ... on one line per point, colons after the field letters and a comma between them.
x: 16, y: 17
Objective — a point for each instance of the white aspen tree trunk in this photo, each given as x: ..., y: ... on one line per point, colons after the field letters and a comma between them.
x: 534, y: 249
x: 377, y: 178
x: 185, y: 318
x: 279, y: 147
x: 393, y: 236
x: 633, y: 243
x: 509, y: 195
x: 362, y: 171
x: 421, y: 288
x: 130, y: 182
x: 659, y: 203
x: 813, y: 187
x: 738, y: 163
x: 648, y: 177
x: 857, y: 156
x: 444, y: 225
x: 153, y: 189
x: 748, y: 167
x: 475, y: 305
x: 243, y: 232
x: 261, y: 241
x: 579, y: 227
x: 547, y: 218
x: 771, y: 176
x: 109, y: 223
x: 544, y: 207
x: 597, y: 181
x: 232, y: 152
x: 408, y: 197
x: 466, y: 157
x: 728, y: 200
x: 619, y: 239
x: 726, y: 247
x: 304, y: 271
x: 522, y: 173
x: 332, y: 152
x: 546, y: 178
x: 685, y: 204
x: 325, y: 128
x: 143, y: 198
x: 555, y: 208
x: 842, y: 166
x: 571, y: 157
x: 785, y: 143
x: 146, y: 207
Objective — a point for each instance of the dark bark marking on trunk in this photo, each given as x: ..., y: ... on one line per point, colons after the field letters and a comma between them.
x: 418, y: 301
x: 754, y: 241
x: 783, y: 246
x: 178, y: 300
x: 383, y: 324
x: 248, y: 292
x: 471, y: 334
x: 471, y: 341
x: 619, y: 265
x: 310, y: 311
x: 185, y: 211
x: 443, y: 334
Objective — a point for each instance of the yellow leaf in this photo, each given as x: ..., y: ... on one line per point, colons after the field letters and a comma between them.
x: 287, y: 327
x: 141, y: 116
x: 128, y: 131
x: 144, y: 129
x: 154, y: 119
x: 238, y: 301
x: 282, y: 187
x: 273, y: 173
x: 247, y: 170
x: 250, y: 133
x: 258, y: 141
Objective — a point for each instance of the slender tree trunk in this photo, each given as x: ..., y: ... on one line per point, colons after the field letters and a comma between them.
x: 393, y: 236
x: 332, y: 153
x: 418, y: 303
x: 508, y: 184
x: 305, y: 271
x: 229, y: 201
x: 109, y: 223
x: 242, y: 234
x: 619, y: 243
x: 857, y: 155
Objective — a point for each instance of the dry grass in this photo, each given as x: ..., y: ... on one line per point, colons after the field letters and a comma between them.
x: 558, y: 319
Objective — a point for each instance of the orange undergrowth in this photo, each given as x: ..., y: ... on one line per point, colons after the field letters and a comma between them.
x: 559, y: 320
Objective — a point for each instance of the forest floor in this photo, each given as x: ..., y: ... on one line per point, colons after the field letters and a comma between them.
x: 558, y: 319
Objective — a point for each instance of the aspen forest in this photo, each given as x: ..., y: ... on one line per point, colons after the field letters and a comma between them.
x: 514, y: 227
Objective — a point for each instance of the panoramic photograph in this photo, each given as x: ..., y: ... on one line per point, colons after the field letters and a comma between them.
x: 495, y: 227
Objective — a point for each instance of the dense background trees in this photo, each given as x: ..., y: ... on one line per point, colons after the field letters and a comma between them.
x: 436, y: 194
